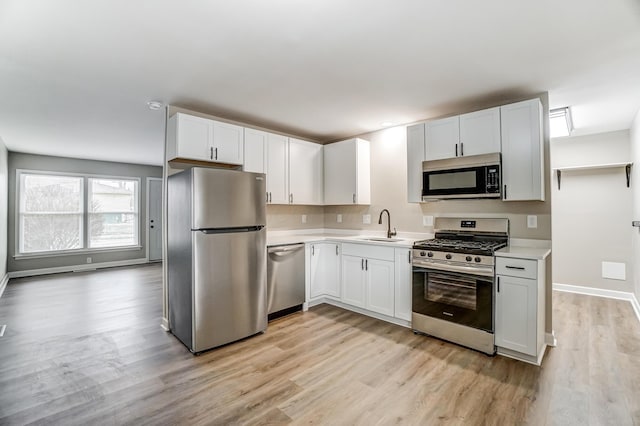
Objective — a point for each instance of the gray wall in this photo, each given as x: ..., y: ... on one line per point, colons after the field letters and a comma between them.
x: 592, y: 211
x: 635, y: 188
x: 71, y: 165
x: 3, y: 209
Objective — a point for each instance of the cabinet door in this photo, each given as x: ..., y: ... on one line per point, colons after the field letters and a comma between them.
x: 254, y: 151
x: 305, y: 172
x: 331, y: 253
x: 380, y: 286
x: 522, y: 151
x: 442, y: 138
x: 403, y: 285
x: 480, y: 132
x: 516, y: 307
x: 277, y: 169
x: 228, y: 144
x: 340, y: 173
x: 194, y: 135
x: 318, y: 272
x: 353, y: 281
x: 415, y: 157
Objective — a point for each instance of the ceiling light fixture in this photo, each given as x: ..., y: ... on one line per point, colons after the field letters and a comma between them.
x: 155, y: 105
x: 560, y: 122
x: 387, y: 123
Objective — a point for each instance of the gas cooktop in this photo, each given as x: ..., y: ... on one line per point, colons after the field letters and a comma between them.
x: 486, y: 247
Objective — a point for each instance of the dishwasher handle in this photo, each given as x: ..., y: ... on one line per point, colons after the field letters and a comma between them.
x: 285, y: 249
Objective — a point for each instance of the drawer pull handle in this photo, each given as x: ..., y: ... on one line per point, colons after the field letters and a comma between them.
x: 520, y: 268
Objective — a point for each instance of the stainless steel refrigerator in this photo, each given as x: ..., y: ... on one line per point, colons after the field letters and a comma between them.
x: 217, y: 256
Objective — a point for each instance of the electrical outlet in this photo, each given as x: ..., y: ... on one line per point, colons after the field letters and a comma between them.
x: 89, y: 260
x: 532, y: 221
x: 339, y: 218
x: 427, y: 220
x: 366, y: 219
x: 304, y: 218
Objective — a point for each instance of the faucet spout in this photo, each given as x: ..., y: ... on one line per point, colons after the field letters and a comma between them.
x: 389, y: 233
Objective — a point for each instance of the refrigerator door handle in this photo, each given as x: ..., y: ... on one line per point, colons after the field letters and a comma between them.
x: 230, y: 230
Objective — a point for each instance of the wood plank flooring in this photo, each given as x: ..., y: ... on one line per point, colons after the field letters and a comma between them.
x: 87, y: 348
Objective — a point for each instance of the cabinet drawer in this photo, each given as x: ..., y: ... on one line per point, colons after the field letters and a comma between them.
x: 523, y: 268
x: 369, y: 250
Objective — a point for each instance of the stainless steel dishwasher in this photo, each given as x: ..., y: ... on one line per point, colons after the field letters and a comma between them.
x: 285, y: 279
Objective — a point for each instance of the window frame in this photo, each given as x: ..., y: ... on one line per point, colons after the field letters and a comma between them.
x: 85, y: 215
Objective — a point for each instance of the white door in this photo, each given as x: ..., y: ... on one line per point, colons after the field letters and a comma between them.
x: 254, y: 151
x: 317, y: 271
x: 277, y: 169
x: 194, y: 137
x: 340, y: 173
x: 442, y: 137
x: 403, y: 287
x: 415, y: 157
x: 228, y: 146
x: 154, y: 218
x: 353, y: 281
x: 480, y: 132
x: 331, y: 254
x: 516, y: 314
x: 380, y: 286
x: 305, y: 172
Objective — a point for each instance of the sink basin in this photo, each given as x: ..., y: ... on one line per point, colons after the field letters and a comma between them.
x: 382, y: 239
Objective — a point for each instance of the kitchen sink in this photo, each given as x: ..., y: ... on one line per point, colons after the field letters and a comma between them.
x: 382, y: 239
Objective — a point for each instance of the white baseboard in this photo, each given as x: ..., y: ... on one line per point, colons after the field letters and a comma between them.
x: 550, y: 339
x: 600, y: 292
x: 3, y: 283
x: 74, y: 268
x: 165, y: 324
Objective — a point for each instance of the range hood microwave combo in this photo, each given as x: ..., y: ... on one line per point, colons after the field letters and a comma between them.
x: 473, y: 176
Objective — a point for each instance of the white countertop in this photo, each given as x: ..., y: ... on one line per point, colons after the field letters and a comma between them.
x: 276, y: 238
x: 524, y: 252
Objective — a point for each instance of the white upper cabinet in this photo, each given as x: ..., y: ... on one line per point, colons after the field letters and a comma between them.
x: 480, y: 132
x: 197, y: 138
x: 522, y: 151
x: 347, y: 178
x: 228, y: 146
x: 442, y: 137
x: 255, y: 142
x: 305, y: 172
x: 468, y: 134
x: 277, y: 169
x: 415, y: 157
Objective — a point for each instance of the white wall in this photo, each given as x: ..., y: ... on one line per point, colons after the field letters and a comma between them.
x: 591, y: 214
x: 4, y: 197
x: 635, y: 188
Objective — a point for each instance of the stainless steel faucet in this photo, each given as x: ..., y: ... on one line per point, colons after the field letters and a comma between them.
x: 389, y: 233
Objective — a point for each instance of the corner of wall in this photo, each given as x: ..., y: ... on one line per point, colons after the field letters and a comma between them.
x: 4, y: 202
x: 634, y: 134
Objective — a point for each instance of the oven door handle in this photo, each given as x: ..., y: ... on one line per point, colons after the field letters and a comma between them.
x: 473, y: 270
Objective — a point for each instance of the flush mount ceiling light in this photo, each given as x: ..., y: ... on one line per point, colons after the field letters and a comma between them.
x: 560, y: 122
x: 387, y: 123
x: 155, y: 105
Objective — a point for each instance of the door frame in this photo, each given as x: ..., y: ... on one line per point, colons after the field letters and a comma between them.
x: 149, y: 179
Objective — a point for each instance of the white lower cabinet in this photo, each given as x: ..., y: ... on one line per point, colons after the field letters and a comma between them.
x: 368, y: 277
x: 519, y: 312
x: 403, y: 285
x: 324, y: 266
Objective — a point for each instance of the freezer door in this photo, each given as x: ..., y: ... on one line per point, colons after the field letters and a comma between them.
x: 230, y: 287
x: 227, y: 198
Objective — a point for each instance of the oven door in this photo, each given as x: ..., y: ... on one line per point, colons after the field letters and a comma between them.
x: 461, y: 298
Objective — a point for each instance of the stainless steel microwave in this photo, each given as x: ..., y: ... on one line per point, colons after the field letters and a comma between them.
x: 473, y: 176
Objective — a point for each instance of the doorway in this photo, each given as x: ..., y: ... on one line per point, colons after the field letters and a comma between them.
x: 154, y: 219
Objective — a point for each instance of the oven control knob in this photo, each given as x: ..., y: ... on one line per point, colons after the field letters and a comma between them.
x: 478, y: 260
x: 448, y: 256
x: 469, y: 258
x: 423, y: 254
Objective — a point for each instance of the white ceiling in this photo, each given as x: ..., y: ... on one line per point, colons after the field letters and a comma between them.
x: 75, y: 76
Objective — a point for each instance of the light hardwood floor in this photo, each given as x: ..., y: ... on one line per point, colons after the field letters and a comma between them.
x: 87, y: 348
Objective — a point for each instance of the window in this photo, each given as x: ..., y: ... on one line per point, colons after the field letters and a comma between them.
x: 59, y: 213
x: 113, y: 212
x: 50, y: 213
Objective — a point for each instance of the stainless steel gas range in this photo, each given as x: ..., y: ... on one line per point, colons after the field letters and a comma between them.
x: 453, y: 281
